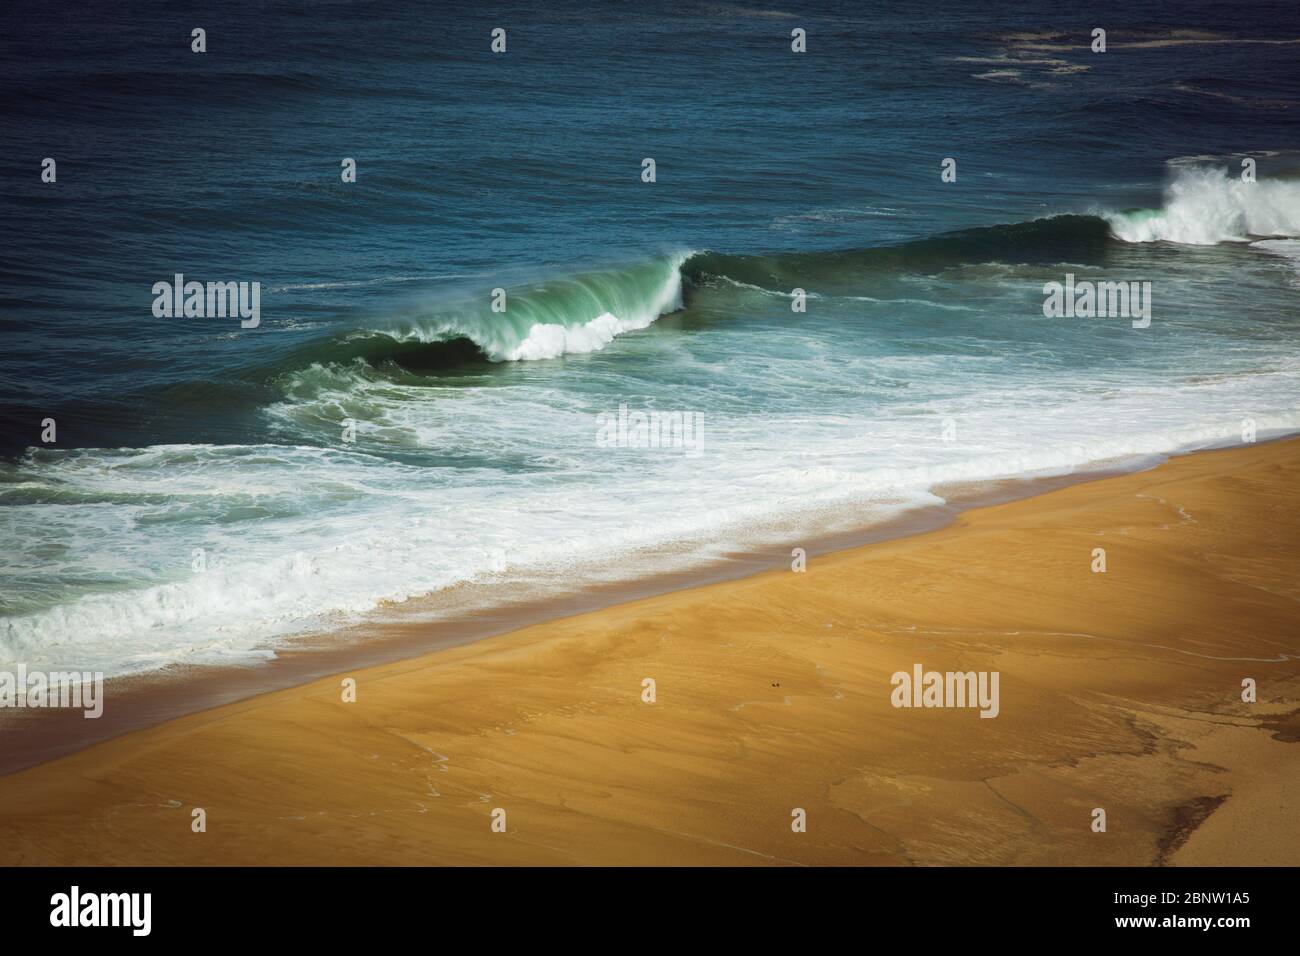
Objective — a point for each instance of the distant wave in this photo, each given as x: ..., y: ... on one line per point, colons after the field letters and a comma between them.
x: 360, y: 283
x: 1056, y: 239
x: 1205, y: 206
x: 585, y: 312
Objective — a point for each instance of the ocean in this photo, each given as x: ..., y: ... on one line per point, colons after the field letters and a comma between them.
x: 447, y: 398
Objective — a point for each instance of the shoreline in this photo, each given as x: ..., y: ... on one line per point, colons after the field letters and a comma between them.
x: 1119, y: 690
x: 406, y: 631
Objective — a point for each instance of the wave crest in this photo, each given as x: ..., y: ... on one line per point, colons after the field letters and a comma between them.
x: 1204, y: 207
x: 572, y: 315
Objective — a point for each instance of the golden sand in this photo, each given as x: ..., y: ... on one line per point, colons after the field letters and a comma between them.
x: 1119, y: 690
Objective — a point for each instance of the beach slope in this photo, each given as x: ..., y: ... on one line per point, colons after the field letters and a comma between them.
x: 1119, y: 690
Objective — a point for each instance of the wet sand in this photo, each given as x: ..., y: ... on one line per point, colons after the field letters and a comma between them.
x: 1119, y: 690
x: 437, y: 622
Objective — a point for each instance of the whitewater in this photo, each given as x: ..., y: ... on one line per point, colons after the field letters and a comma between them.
x: 473, y: 477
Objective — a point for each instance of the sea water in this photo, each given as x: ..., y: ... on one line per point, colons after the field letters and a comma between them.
x: 419, y: 409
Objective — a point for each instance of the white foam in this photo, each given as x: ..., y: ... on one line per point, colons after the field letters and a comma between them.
x: 501, y: 341
x: 362, y: 283
x: 299, y: 538
x: 1286, y: 248
x: 1204, y: 207
x: 551, y: 340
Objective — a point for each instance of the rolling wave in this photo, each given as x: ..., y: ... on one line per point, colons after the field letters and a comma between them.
x: 1067, y: 238
x: 570, y: 315
x: 585, y: 313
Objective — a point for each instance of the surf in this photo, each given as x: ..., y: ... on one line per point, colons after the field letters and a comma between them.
x: 576, y: 314
x: 585, y: 312
x: 1206, y: 206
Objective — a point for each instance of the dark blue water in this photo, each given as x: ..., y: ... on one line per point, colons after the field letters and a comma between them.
x: 476, y: 457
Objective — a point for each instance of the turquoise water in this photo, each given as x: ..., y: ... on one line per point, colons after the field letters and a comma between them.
x: 384, y: 434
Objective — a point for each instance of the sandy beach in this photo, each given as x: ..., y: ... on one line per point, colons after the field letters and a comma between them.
x: 1119, y: 690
